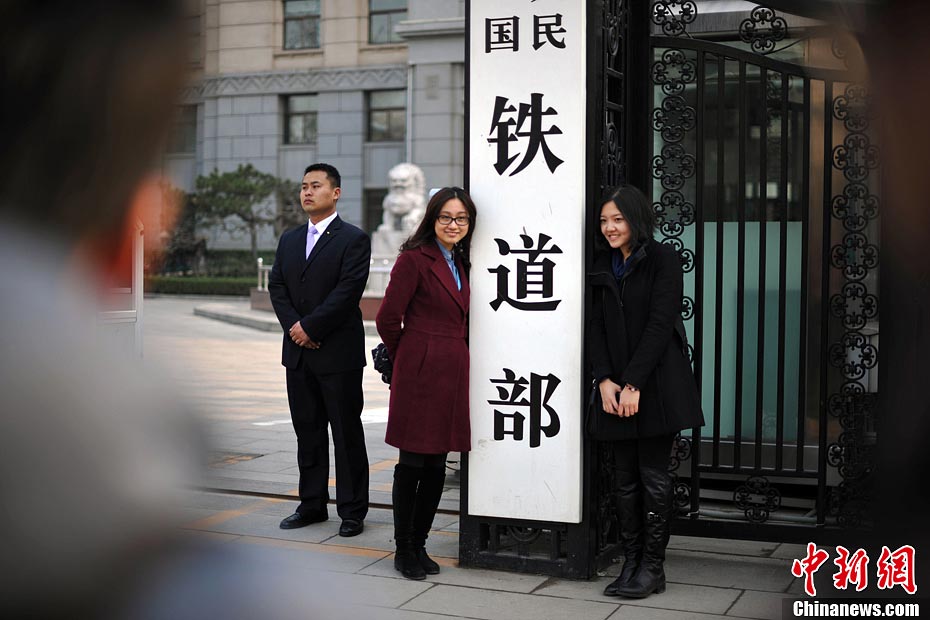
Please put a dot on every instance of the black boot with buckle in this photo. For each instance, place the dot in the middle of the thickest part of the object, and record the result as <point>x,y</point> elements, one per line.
<point>650,577</point>
<point>630,516</point>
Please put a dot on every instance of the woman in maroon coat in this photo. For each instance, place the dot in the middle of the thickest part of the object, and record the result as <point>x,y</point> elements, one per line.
<point>423,322</point>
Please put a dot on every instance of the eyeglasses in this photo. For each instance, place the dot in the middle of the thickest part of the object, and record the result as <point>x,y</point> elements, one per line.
<point>461,220</point>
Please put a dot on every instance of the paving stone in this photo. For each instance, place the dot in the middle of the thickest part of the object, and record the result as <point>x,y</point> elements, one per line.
<point>629,612</point>
<point>763,605</point>
<point>466,577</point>
<point>477,603</point>
<point>790,551</point>
<point>741,572</point>
<point>310,556</point>
<point>379,591</point>
<point>376,536</point>
<point>257,465</point>
<point>381,613</point>
<point>679,596</point>
<point>267,526</point>
<point>723,545</point>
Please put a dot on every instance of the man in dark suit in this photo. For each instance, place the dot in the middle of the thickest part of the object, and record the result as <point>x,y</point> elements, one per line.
<point>319,273</point>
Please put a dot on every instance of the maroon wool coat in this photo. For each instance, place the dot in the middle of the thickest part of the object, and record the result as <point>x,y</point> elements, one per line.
<point>422,321</point>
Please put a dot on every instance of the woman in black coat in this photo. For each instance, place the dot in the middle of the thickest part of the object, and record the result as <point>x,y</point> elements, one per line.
<point>638,351</point>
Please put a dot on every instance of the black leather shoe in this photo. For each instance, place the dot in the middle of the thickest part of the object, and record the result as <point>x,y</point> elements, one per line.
<point>351,527</point>
<point>298,520</point>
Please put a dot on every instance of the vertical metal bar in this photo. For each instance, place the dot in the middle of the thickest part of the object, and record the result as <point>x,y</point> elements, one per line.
<point>824,298</point>
<point>718,285</point>
<point>740,271</point>
<point>763,199</point>
<point>782,279</point>
<point>698,281</point>
<point>805,226</point>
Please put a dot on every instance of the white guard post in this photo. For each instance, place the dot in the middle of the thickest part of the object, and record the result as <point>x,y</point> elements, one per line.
<point>526,128</point>
<point>120,325</point>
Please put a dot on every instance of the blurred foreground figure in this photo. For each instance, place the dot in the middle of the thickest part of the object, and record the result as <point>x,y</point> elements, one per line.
<point>92,450</point>
<point>899,55</point>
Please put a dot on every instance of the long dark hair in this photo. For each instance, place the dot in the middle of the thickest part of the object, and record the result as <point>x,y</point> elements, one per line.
<point>635,208</point>
<point>426,231</point>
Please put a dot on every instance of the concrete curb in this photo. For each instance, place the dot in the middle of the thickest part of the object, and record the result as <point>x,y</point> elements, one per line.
<point>241,314</point>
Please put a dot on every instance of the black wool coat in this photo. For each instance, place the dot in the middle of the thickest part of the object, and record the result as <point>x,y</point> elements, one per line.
<point>636,336</point>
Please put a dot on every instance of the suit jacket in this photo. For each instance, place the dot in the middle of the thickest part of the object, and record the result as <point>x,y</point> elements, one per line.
<point>423,322</point>
<point>322,291</point>
<point>636,336</point>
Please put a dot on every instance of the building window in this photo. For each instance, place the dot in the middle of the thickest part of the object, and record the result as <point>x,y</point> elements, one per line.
<point>383,15</point>
<point>300,119</point>
<point>387,115</point>
<point>301,24</point>
<point>374,213</point>
<point>183,139</point>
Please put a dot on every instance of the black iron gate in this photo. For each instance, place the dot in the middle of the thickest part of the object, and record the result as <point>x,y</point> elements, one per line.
<point>764,177</point>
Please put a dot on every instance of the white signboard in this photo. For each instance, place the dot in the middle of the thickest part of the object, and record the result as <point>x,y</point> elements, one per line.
<point>527,177</point>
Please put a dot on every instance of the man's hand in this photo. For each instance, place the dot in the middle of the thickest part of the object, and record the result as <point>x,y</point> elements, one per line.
<point>299,336</point>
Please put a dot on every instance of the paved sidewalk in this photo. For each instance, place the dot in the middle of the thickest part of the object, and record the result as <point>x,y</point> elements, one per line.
<point>233,374</point>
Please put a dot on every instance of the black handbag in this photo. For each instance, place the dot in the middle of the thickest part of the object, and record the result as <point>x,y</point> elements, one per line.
<point>382,362</point>
<point>593,422</point>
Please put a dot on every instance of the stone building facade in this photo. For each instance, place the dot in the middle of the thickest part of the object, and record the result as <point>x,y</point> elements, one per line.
<point>361,84</point>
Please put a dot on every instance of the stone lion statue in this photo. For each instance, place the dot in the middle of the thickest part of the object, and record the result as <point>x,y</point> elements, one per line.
<point>405,203</point>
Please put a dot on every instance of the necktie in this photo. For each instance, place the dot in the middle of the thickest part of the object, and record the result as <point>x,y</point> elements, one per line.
<point>311,239</point>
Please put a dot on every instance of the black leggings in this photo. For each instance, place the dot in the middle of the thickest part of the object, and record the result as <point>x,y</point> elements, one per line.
<point>415,459</point>
<point>651,453</point>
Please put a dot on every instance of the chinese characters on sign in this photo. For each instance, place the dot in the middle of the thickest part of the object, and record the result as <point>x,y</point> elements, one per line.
<point>510,389</point>
<point>534,277</point>
<point>503,33</point>
<point>504,131</point>
<point>894,568</point>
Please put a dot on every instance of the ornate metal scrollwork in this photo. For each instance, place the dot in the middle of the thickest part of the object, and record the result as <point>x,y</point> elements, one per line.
<point>606,504</point>
<point>525,535</point>
<point>854,305</point>
<point>674,119</point>
<point>681,494</point>
<point>853,355</point>
<point>856,157</point>
<point>856,257</point>
<point>673,167</point>
<point>673,72</point>
<point>757,498</point>
<point>673,16</point>
<point>613,156</point>
<point>856,207</point>
<point>687,308</point>
<point>763,29</point>
<point>681,451</point>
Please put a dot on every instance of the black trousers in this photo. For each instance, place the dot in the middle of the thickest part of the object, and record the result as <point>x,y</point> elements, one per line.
<point>335,399</point>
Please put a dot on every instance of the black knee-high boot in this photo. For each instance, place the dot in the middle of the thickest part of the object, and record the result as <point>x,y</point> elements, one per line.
<point>428,495</point>
<point>650,577</point>
<point>630,515</point>
<point>404,496</point>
